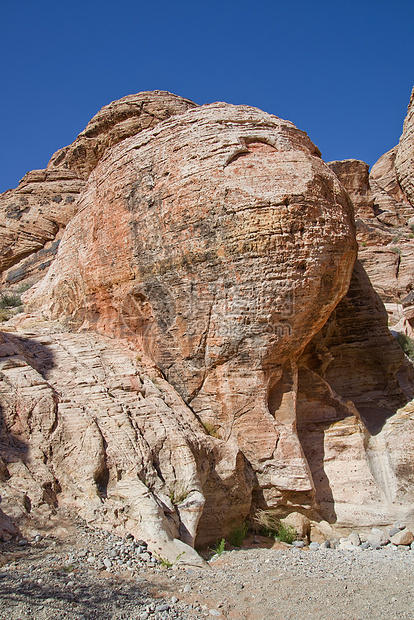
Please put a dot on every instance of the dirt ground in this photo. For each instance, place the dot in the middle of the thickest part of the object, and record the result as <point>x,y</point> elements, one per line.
<point>54,577</point>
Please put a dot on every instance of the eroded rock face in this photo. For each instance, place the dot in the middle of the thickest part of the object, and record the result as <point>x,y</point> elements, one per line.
<point>353,378</point>
<point>384,222</point>
<point>392,205</point>
<point>113,123</point>
<point>354,176</point>
<point>233,243</point>
<point>405,155</point>
<point>34,215</point>
<point>249,362</point>
<point>89,425</point>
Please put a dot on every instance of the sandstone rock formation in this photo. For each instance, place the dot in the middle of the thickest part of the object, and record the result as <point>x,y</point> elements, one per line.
<point>202,344</point>
<point>354,175</point>
<point>207,209</point>
<point>405,155</point>
<point>385,216</point>
<point>393,207</point>
<point>33,216</point>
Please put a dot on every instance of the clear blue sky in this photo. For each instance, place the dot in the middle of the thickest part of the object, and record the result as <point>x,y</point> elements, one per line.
<point>341,71</point>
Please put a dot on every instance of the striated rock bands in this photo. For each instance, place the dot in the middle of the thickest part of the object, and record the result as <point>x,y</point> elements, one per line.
<point>405,155</point>
<point>218,350</point>
<point>233,243</point>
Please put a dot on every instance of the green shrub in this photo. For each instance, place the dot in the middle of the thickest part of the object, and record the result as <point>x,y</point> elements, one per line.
<point>4,315</point>
<point>237,535</point>
<point>407,344</point>
<point>178,492</point>
<point>10,300</point>
<point>211,429</point>
<point>219,548</point>
<point>268,524</point>
<point>286,533</point>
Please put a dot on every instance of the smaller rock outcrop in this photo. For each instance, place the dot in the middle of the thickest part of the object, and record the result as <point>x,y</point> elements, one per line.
<point>354,176</point>
<point>404,161</point>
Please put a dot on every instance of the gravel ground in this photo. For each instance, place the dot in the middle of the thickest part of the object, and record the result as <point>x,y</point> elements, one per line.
<point>84,574</point>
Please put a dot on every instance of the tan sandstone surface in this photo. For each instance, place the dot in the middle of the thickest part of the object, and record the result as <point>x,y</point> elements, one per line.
<point>203,344</point>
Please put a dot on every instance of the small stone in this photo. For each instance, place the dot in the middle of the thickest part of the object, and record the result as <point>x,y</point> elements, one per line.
<point>364,545</point>
<point>298,543</point>
<point>314,546</point>
<point>392,531</point>
<point>141,543</point>
<point>107,562</point>
<point>403,537</point>
<point>23,542</point>
<point>215,612</point>
<point>187,588</point>
<point>400,525</point>
<point>91,559</point>
<point>164,607</point>
<point>326,544</point>
<point>354,539</point>
<point>378,538</point>
<point>174,600</point>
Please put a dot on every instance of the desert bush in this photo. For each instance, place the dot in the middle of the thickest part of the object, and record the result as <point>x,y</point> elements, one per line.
<point>407,344</point>
<point>238,534</point>
<point>178,492</point>
<point>211,429</point>
<point>267,523</point>
<point>4,315</point>
<point>219,548</point>
<point>286,533</point>
<point>9,300</point>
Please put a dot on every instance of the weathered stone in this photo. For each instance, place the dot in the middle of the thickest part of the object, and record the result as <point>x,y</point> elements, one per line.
<point>33,216</point>
<point>404,161</point>
<point>387,192</point>
<point>349,385</point>
<point>216,250</point>
<point>232,215</point>
<point>354,539</point>
<point>299,522</point>
<point>354,176</point>
<point>115,122</point>
<point>378,538</point>
<point>404,537</point>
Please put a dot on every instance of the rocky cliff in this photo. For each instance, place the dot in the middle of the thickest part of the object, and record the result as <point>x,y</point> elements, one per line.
<point>199,344</point>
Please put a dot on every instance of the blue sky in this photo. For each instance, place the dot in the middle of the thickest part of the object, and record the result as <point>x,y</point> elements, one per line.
<point>341,71</point>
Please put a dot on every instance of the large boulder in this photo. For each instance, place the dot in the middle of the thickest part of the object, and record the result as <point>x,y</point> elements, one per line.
<point>220,242</point>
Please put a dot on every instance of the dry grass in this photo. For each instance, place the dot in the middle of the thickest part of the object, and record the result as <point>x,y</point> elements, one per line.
<point>266,522</point>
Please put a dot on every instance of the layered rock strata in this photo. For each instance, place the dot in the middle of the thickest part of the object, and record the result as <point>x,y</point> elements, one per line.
<point>233,243</point>
<point>404,162</point>
<point>224,353</point>
<point>385,217</point>
<point>34,215</point>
